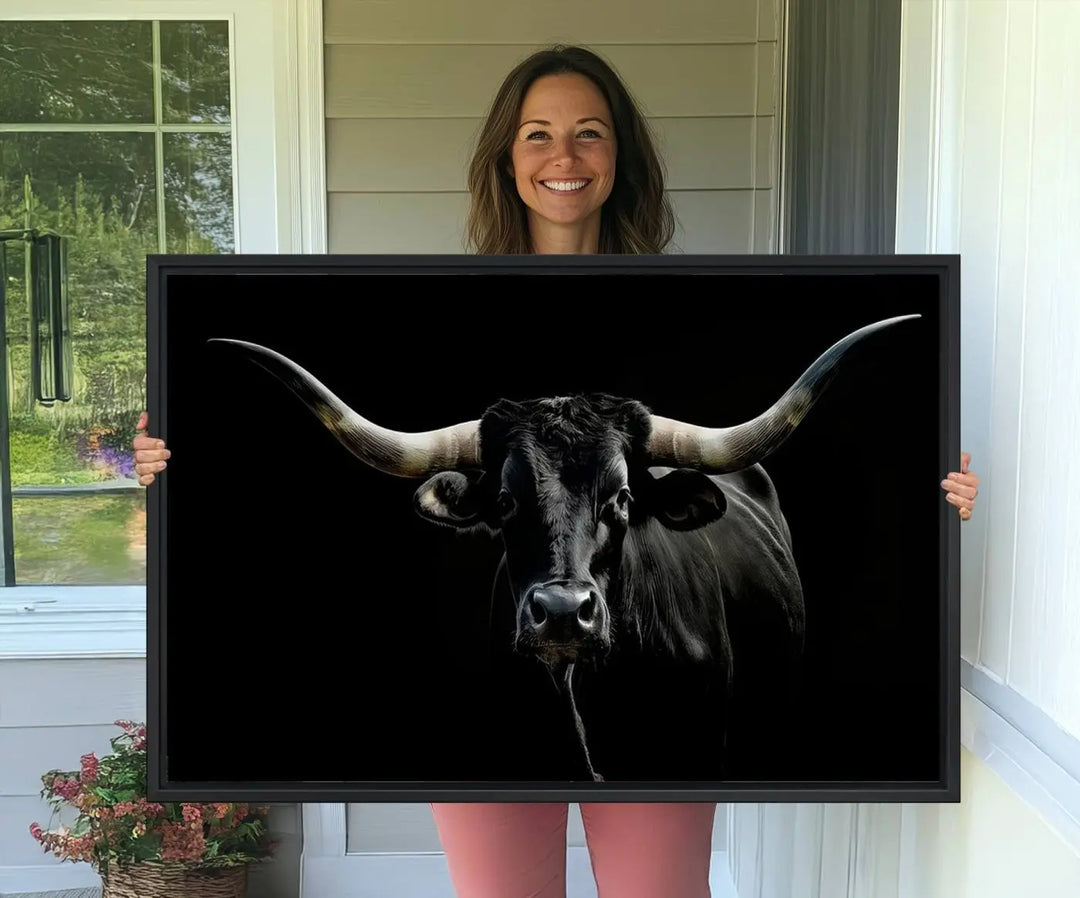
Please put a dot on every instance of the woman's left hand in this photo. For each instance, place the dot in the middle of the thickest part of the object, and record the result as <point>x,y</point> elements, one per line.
<point>961,487</point>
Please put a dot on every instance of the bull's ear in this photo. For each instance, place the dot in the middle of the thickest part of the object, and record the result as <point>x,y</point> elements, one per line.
<point>448,498</point>
<point>685,500</point>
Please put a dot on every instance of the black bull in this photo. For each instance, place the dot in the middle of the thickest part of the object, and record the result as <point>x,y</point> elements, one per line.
<point>635,546</point>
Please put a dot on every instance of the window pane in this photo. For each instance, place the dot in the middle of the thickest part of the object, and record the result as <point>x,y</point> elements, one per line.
<point>79,177</point>
<point>195,72</point>
<point>99,190</point>
<point>90,540</point>
<point>98,72</point>
<point>198,193</point>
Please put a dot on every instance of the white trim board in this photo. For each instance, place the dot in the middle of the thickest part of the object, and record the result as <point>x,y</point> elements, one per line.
<point>72,622</point>
<point>304,20</point>
<point>1057,744</point>
<point>1043,774</point>
<point>55,880</point>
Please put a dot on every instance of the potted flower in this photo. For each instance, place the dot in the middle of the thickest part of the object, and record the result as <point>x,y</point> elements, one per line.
<point>145,849</point>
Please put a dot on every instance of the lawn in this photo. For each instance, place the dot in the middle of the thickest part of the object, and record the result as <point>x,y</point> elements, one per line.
<point>95,539</point>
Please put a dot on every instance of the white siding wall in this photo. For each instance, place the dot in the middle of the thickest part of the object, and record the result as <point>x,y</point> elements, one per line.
<point>407,84</point>
<point>51,713</point>
<point>989,167</point>
<point>1009,202</point>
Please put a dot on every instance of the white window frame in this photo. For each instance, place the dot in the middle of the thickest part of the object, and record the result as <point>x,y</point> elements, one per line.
<point>276,62</point>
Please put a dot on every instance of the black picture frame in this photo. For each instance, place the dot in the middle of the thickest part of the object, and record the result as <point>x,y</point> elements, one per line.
<point>247,599</point>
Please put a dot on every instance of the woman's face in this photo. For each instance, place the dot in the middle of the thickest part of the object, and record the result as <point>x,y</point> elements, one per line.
<point>563,155</point>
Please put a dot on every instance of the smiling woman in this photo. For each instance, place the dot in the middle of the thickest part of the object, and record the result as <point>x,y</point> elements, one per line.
<point>565,163</point>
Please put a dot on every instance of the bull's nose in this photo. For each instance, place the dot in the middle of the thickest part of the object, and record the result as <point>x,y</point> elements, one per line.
<point>562,612</point>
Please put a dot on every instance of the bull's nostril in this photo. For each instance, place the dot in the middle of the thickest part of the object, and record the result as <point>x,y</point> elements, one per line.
<point>587,611</point>
<point>536,612</point>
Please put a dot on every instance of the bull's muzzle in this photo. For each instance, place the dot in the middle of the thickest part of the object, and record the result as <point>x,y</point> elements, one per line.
<point>563,621</point>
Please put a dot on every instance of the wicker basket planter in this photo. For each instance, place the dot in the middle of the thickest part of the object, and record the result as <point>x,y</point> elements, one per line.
<point>126,839</point>
<point>156,880</point>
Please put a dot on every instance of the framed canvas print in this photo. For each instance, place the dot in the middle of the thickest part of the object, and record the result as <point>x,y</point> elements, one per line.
<point>554,528</point>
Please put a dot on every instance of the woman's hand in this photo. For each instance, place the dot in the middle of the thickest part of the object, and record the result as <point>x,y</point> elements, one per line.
<point>961,487</point>
<point>150,453</point>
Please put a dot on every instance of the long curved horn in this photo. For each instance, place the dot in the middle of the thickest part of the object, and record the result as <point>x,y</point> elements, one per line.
<point>390,451</point>
<point>721,450</point>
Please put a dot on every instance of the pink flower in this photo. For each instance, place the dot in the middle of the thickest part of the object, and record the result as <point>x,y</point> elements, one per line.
<point>181,842</point>
<point>192,813</point>
<point>80,848</point>
<point>89,767</point>
<point>66,788</point>
<point>36,831</point>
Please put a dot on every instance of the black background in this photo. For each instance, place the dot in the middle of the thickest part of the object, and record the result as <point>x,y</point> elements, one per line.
<point>335,636</point>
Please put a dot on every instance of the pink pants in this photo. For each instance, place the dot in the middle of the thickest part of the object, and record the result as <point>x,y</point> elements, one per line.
<point>648,850</point>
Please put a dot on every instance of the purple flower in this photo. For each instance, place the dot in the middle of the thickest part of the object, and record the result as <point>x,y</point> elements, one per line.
<point>117,462</point>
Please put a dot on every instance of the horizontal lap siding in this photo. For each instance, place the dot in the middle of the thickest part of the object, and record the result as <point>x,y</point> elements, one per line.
<point>71,693</point>
<point>27,752</point>
<point>52,712</point>
<point>380,155</point>
<point>408,84</point>
<point>364,81</point>
<point>514,22</point>
<point>717,221</point>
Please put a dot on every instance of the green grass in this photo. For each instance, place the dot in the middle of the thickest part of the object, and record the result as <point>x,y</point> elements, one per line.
<point>89,540</point>
<point>39,459</point>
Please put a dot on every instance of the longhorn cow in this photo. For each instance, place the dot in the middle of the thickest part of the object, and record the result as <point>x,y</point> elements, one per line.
<point>625,533</point>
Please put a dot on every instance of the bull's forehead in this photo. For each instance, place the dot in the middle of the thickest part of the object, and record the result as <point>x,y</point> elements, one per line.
<point>567,483</point>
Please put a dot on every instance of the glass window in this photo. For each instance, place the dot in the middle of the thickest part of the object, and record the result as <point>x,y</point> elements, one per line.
<point>118,136</point>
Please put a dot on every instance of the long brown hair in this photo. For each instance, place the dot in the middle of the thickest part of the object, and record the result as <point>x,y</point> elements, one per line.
<point>637,217</point>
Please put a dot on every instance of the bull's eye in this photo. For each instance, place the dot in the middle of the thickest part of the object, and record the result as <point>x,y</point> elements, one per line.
<point>504,502</point>
<point>619,507</point>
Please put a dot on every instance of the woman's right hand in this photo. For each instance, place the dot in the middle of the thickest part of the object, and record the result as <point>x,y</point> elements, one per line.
<point>150,453</point>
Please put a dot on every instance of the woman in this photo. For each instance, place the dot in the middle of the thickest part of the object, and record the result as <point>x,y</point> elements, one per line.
<point>565,164</point>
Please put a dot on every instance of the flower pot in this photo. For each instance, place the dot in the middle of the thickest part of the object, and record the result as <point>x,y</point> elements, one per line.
<point>157,880</point>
